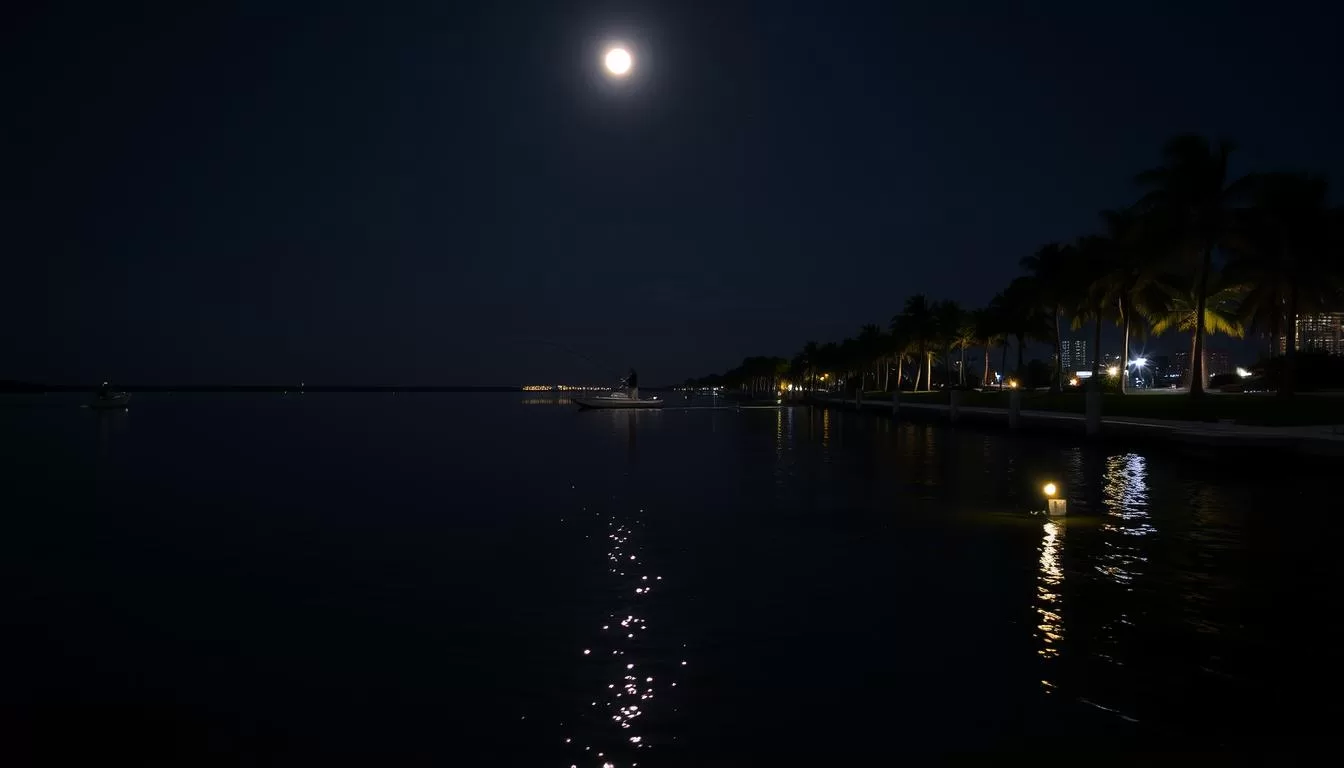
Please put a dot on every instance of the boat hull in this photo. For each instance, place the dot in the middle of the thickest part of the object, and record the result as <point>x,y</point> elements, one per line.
<point>616,402</point>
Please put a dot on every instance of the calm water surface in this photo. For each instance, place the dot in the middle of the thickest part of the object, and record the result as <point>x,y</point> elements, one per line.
<point>428,579</point>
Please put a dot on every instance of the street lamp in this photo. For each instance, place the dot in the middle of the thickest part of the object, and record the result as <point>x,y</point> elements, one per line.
<point>1056,507</point>
<point>1140,363</point>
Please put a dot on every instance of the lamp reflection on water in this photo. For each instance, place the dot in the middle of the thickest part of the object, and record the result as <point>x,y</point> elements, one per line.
<point>1049,607</point>
<point>1125,490</point>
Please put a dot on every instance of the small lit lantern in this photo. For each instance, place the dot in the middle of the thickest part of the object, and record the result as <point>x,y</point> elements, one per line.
<point>1058,507</point>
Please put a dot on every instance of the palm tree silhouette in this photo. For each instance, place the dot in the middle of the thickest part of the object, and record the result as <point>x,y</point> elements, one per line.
<point>964,336</point>
<point>947,321</point>
<point>989,331</point>
<point>1186,309</point>
<point>1282,251</point>
<point>1191,205</point>
<point>1050,267</point>
<point>872,348</point>
<point>917,323</point>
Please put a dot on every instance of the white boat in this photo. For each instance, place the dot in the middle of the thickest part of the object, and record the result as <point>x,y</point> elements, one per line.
<point>617,399</point>
<point>111,400</point>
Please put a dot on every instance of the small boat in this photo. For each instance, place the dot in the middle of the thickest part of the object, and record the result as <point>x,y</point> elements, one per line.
<point>617,399</point>
<point>110,400</point>
<point>746,405</point>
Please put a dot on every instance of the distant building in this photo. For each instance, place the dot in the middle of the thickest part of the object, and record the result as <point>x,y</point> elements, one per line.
<point>1217,362</point>
<point>1162,367</point>
<point>1073,355</point>
<point>1323,331</point>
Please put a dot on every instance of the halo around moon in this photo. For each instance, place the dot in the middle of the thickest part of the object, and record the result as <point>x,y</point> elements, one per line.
<point>618,61</point>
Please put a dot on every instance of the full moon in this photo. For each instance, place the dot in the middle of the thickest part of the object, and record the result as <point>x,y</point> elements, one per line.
<point>618,61</point>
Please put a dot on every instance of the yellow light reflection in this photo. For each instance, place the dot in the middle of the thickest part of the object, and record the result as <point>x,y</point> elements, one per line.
<point>1049,580</point>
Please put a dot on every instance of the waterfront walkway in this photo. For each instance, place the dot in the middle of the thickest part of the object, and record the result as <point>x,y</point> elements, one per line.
<point>1326,440</point>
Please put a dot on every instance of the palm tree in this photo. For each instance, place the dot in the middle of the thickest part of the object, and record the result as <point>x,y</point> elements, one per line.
<point>1050,266</point>
<point>1191,203</point>
<point>1187,309</point>
<point>1095,274</point>
<point>964,337</point>
<point>989,331</point>
<point>1134,249</point>
<point>1281,251</point>
<point>871,347</point>
<point>809,355</point>
<point>780,369</point>
<point>798,370</point>
<point>1020,311</point>
<point>828,361</point>
<point>917,323</point>
<point>851,361</point>
<point>948,319</point>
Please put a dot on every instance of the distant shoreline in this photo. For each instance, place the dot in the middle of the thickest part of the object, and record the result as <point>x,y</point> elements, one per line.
<point>24,388</point>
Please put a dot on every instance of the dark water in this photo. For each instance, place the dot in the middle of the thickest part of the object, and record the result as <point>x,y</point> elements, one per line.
<point>436,579</point>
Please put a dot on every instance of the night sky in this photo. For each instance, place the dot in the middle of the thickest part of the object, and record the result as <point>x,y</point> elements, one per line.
<point>454,193</point>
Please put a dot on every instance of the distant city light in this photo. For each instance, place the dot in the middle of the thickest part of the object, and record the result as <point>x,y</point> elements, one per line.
<point>1073,382</point>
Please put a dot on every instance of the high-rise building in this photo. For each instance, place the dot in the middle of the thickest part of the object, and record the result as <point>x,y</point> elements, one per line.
<point>1217,362</point>
<point>1073,355</point>
<point>1323,331</point>
<point>1180,365</point>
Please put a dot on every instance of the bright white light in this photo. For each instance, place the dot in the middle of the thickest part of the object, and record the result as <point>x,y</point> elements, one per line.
<point>1112,370</point>
<point>1140,361</point>
<point>1050,489</point>
<point>1243,373</point>
<point>618,61</point>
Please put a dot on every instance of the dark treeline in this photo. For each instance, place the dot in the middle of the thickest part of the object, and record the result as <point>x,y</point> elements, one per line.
<point>1198,252</point>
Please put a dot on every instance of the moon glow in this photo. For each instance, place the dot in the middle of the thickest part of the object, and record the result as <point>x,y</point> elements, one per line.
<point>618,62</point>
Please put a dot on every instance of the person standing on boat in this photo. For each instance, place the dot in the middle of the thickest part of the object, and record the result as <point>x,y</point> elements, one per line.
<point>632,384</point>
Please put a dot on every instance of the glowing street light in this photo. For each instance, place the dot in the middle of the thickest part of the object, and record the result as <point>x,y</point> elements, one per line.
<point>1057,507</point>
<point>1113,370</point>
